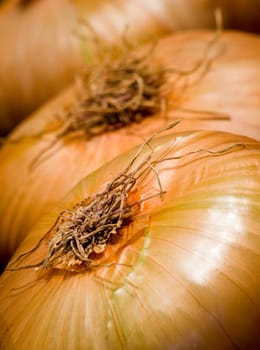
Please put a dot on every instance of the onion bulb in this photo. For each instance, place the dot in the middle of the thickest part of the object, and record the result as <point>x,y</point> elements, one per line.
<point>179,270</point>
<point>44,43</point>
<point>36,171</point>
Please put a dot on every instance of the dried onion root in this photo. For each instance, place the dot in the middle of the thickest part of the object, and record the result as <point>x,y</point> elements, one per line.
<point>80,234</point>
<point>114,96</point>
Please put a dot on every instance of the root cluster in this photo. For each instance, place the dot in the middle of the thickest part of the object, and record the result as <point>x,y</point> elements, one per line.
<point>85,230</point>
<point>115,95</point>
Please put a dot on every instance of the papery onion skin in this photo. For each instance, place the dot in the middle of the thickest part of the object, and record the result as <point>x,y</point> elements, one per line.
<point>41,51</point>
<point>194,279</point>
<point>25,197</point>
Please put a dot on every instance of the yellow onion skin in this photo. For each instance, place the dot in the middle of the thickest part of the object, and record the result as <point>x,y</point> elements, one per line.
<point>41,52</point>
<point>231,87</point>
<point>186,271</point>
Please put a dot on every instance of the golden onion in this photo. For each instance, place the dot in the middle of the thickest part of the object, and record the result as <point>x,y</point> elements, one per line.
<point>229,87</point>
<point>182,273</point>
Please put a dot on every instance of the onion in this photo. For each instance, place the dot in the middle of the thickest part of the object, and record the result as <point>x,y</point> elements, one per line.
<point>41,51</point>
<point>229,88</point>
<point>182,273</point>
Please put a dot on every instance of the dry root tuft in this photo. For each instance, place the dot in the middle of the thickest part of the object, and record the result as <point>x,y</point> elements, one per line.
<point>85,230</point>
<point>114,96</point>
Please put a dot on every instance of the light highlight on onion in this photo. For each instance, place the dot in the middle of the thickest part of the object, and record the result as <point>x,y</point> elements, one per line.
<point>186,268</point>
